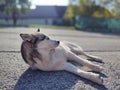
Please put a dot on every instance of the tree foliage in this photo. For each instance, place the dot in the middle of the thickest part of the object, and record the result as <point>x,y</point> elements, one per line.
<point>69,14</point>
<point>101,12</point>
<point>112,5</point>
<point>116,9</point>
<point>14,7</point>
<point>89,8</point>
<point>86,8</point>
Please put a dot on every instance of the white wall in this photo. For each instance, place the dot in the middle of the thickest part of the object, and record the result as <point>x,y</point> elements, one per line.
<point>35,21</point>
<point>28,21</point>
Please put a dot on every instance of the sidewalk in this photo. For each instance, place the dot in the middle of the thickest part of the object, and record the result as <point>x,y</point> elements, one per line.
<point>15,73</point>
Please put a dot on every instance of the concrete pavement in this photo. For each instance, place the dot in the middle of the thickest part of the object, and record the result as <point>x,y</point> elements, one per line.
<point>15,73</point>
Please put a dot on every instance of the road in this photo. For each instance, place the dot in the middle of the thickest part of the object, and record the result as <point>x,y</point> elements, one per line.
<point>16,74</point>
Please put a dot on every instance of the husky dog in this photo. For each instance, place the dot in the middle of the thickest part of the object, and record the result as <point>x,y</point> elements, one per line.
<point>43,53</point>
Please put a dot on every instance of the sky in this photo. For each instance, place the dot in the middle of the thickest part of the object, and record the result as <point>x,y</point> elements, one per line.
<point>49,2</point>
<point>58,3</point>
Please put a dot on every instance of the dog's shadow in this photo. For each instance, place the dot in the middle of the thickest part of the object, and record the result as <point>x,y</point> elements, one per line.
<point>58,80</point>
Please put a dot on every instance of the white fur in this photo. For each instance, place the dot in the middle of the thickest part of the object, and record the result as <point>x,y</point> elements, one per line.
<point>55,56</point>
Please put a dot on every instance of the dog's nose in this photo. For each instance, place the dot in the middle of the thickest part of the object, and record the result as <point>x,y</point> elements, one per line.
<point>58,42</point>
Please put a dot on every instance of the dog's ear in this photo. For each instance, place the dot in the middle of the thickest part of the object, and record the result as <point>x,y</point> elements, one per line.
<point>38,30</point>
<point>27,37</point>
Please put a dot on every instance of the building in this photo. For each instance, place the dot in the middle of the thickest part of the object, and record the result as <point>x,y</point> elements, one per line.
<point>46,15</point>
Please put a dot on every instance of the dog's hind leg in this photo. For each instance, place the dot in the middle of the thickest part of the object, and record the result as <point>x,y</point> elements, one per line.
<point>79,51</point>
<point>74,48</point>
<point>92,58</point>
<point>87,75</point>
<point>74,57</point>
<point>89,57</point>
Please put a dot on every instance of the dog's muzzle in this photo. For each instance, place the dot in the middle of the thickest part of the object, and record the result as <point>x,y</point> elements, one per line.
<point>58,42</point>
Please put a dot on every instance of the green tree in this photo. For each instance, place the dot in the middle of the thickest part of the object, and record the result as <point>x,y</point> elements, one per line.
<point>14,7</point>
<point>86,8</point>
<point>112,5</point>
<point>69,14</point>
<point>89,8</point>
<point>101,12</point>
<point>116,9</point>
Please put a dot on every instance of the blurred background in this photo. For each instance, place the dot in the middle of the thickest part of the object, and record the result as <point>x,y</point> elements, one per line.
<point>86,15</point>
<point>76,21</point>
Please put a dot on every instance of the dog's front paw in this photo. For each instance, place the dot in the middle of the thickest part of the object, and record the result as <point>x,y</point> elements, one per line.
<point>95,78</point>
<point>98,80</point>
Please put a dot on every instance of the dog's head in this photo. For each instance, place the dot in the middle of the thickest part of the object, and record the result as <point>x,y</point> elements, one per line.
<point>39,40</point>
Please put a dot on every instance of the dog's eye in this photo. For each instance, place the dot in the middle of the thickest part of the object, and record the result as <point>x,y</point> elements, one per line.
<point>43,38</point>
<point>47,38</point>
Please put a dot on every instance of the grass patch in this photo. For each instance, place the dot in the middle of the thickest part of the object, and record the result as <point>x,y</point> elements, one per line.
<point>52,26</point>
